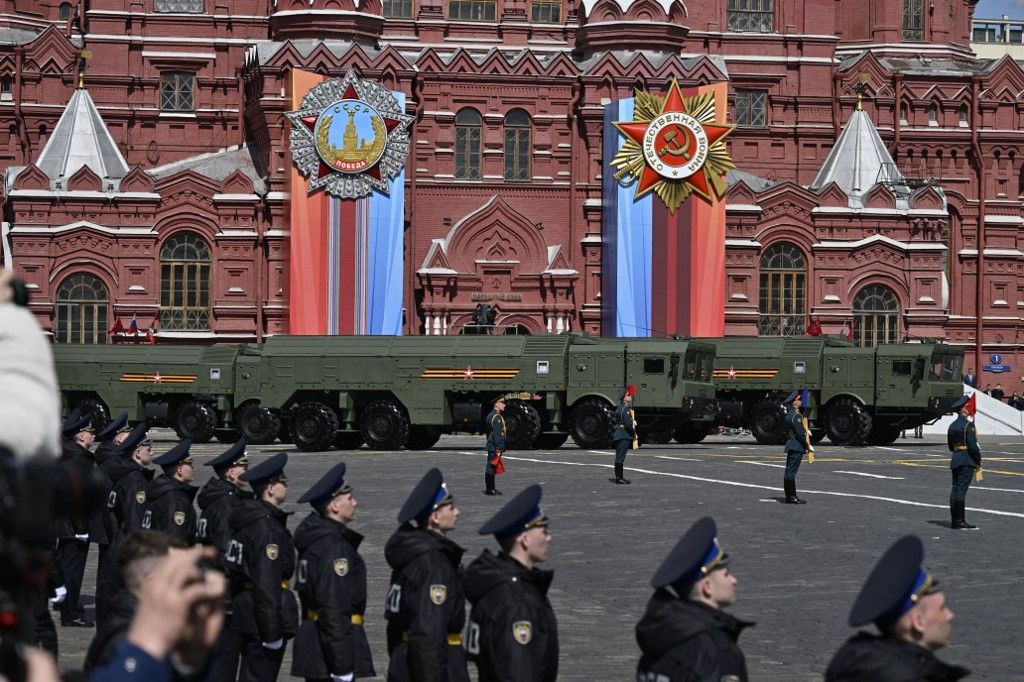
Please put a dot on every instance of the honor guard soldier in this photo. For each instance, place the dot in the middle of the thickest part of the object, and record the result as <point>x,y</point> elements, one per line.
<point>495,425</point>
<point>220,495</point>
<point>964,463</point>
<point>685,634</point>
<point>73,532</point>
<point>261,556</point>
<point>798,445</point>
<point>513,635</point>
<point>169,497</point>
<point>111,437</point>
<point>425,608</point>
<point>217,499</point>
<point>128,479</point>
<point>625,431</point>
<point>331,582</point>
<point>909,609</point>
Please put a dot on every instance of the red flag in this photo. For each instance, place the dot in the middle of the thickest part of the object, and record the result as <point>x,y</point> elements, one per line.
<point>133,326</point>
<point>853,328</point>
<point>972,404</point>
<point>498,464</point>
<point>150,338</point>
<point>118,328</point>
<point>813,327</point>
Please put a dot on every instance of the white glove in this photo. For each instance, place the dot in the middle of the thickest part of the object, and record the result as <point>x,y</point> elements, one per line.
<point>84,537</point>
<point>343,678</point>
<point>59,595</point>
<point>275,645</point>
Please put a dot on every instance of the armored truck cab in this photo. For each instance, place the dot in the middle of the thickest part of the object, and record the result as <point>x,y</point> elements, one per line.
<point>189,388</point>
<point>856,395</point>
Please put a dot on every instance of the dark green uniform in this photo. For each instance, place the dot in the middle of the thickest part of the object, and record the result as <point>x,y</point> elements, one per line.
<point>625,431</point>
<point>965,460</point>
<point>495,425</point>
<point>796,448</point>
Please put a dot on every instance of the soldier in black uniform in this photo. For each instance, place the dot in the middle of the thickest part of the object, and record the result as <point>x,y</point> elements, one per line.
<point>625,431</point>
<point>217,499</point>
<point>495,426</point>
<point>110,438</point>
<point>73,532</point>
<point>128,497</point>
<point>169,497</point>
<point>907,606</point>
<point>798,445</point>
<point>261,555</point>
<point>964,463</point>
<point>135,449</point>
<point>220,495</point>
<point>425,608</point>
<point>331,582</point>
<point>685,634</point>
<point>512,634</point>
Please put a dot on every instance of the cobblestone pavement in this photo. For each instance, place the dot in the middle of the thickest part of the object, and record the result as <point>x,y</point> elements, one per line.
<point>799,567</point>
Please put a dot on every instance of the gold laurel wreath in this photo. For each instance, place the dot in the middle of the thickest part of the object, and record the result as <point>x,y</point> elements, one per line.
<point>630,160</point>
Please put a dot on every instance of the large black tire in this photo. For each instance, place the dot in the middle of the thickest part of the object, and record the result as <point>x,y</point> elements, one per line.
<point>691,433</point>
<point>522,425</point>
<point>257,424</point>
<point>348,440</point>
<point>817,435</point>
<point>197,421</point>
<point>550,441</point>
<point>883,434</point>
<point>384,425</point>
<point>768,422</point>
<point>591,424</point>
<point>96,411</point>
<point>312,426</point>
<point>847,422</point>
<point>422,437</point>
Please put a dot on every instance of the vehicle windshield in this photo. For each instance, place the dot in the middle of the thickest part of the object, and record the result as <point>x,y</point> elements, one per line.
<point>946,367</point>
<point>690,364</point>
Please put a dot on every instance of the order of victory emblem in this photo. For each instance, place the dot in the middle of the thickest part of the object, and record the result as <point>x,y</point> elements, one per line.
<point>349,137</point>
<point>674,148</point>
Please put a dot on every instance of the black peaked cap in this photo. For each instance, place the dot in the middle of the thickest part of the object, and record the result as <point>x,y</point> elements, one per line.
<point>522,513</point>
<point>266,470</point>
<point>330,484</point>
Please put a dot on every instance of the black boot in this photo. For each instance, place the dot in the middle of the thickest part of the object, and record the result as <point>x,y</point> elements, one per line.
<point>489,484</point>
<point>618,476</point>
<point>790,486</point>
<point>954,516</point>
<point>961,513</point>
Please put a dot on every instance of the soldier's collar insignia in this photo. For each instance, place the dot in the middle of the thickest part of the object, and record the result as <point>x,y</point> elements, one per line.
<point>674,148</point>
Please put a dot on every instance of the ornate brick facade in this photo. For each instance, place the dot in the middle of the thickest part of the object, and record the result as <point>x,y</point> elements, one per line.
<point>195,101</point>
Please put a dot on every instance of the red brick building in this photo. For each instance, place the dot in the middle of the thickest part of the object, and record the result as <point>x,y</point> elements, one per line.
<point>163,192</point>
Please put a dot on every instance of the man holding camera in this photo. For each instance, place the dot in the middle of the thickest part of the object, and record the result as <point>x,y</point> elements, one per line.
<point>73,532</point>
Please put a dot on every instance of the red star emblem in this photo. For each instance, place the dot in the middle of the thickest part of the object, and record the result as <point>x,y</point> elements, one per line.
<point>732,372</point>
<point>157,378</point>
<point>469,372</point>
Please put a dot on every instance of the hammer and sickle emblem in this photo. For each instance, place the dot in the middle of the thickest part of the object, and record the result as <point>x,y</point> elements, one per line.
<point>674,147</point>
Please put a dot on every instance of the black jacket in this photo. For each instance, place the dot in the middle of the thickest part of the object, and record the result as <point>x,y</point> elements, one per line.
<point>331,582</point>
<point>69,526</point>
<point>217,498</point>
<point>261,556</point>
<point>112,631</point>
<point>115,469</point>
<point>106,450</point>
<point>169,508</point>
<point>682,640</point>
<point>425,607</point>
<point>874,658</point>
<point>127,499</point>
<point>513,635</point>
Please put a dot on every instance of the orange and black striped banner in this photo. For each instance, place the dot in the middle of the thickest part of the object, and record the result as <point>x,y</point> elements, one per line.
<point>745,373</point>
<point>470,373</point>
<point>158,378</point>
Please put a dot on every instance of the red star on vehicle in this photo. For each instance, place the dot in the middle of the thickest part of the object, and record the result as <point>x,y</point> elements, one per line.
<point>157,378</point>
<point>732,372</point>
<point>469,372</point>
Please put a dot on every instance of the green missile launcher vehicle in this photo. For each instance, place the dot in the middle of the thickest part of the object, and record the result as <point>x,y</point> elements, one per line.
<point>393,392</point>
<point>857,395</point>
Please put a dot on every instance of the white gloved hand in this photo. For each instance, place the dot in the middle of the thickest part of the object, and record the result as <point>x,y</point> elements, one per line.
<point>59,595</point>
<point>343,678</point>
<point>275,645</point>
<point>84,537</point>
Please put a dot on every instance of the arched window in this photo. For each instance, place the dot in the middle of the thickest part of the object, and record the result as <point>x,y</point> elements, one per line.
<point>64,11</point>
<point>904,114</point>
<point>933,115</point>
<point>876,313</point>
<point>468,126</point>
<point>82,305</point>
<point>962,115</point>
<point>517,146</point>
<point>782,300</point>
<point>185,283</point>
<point>913,20</point>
